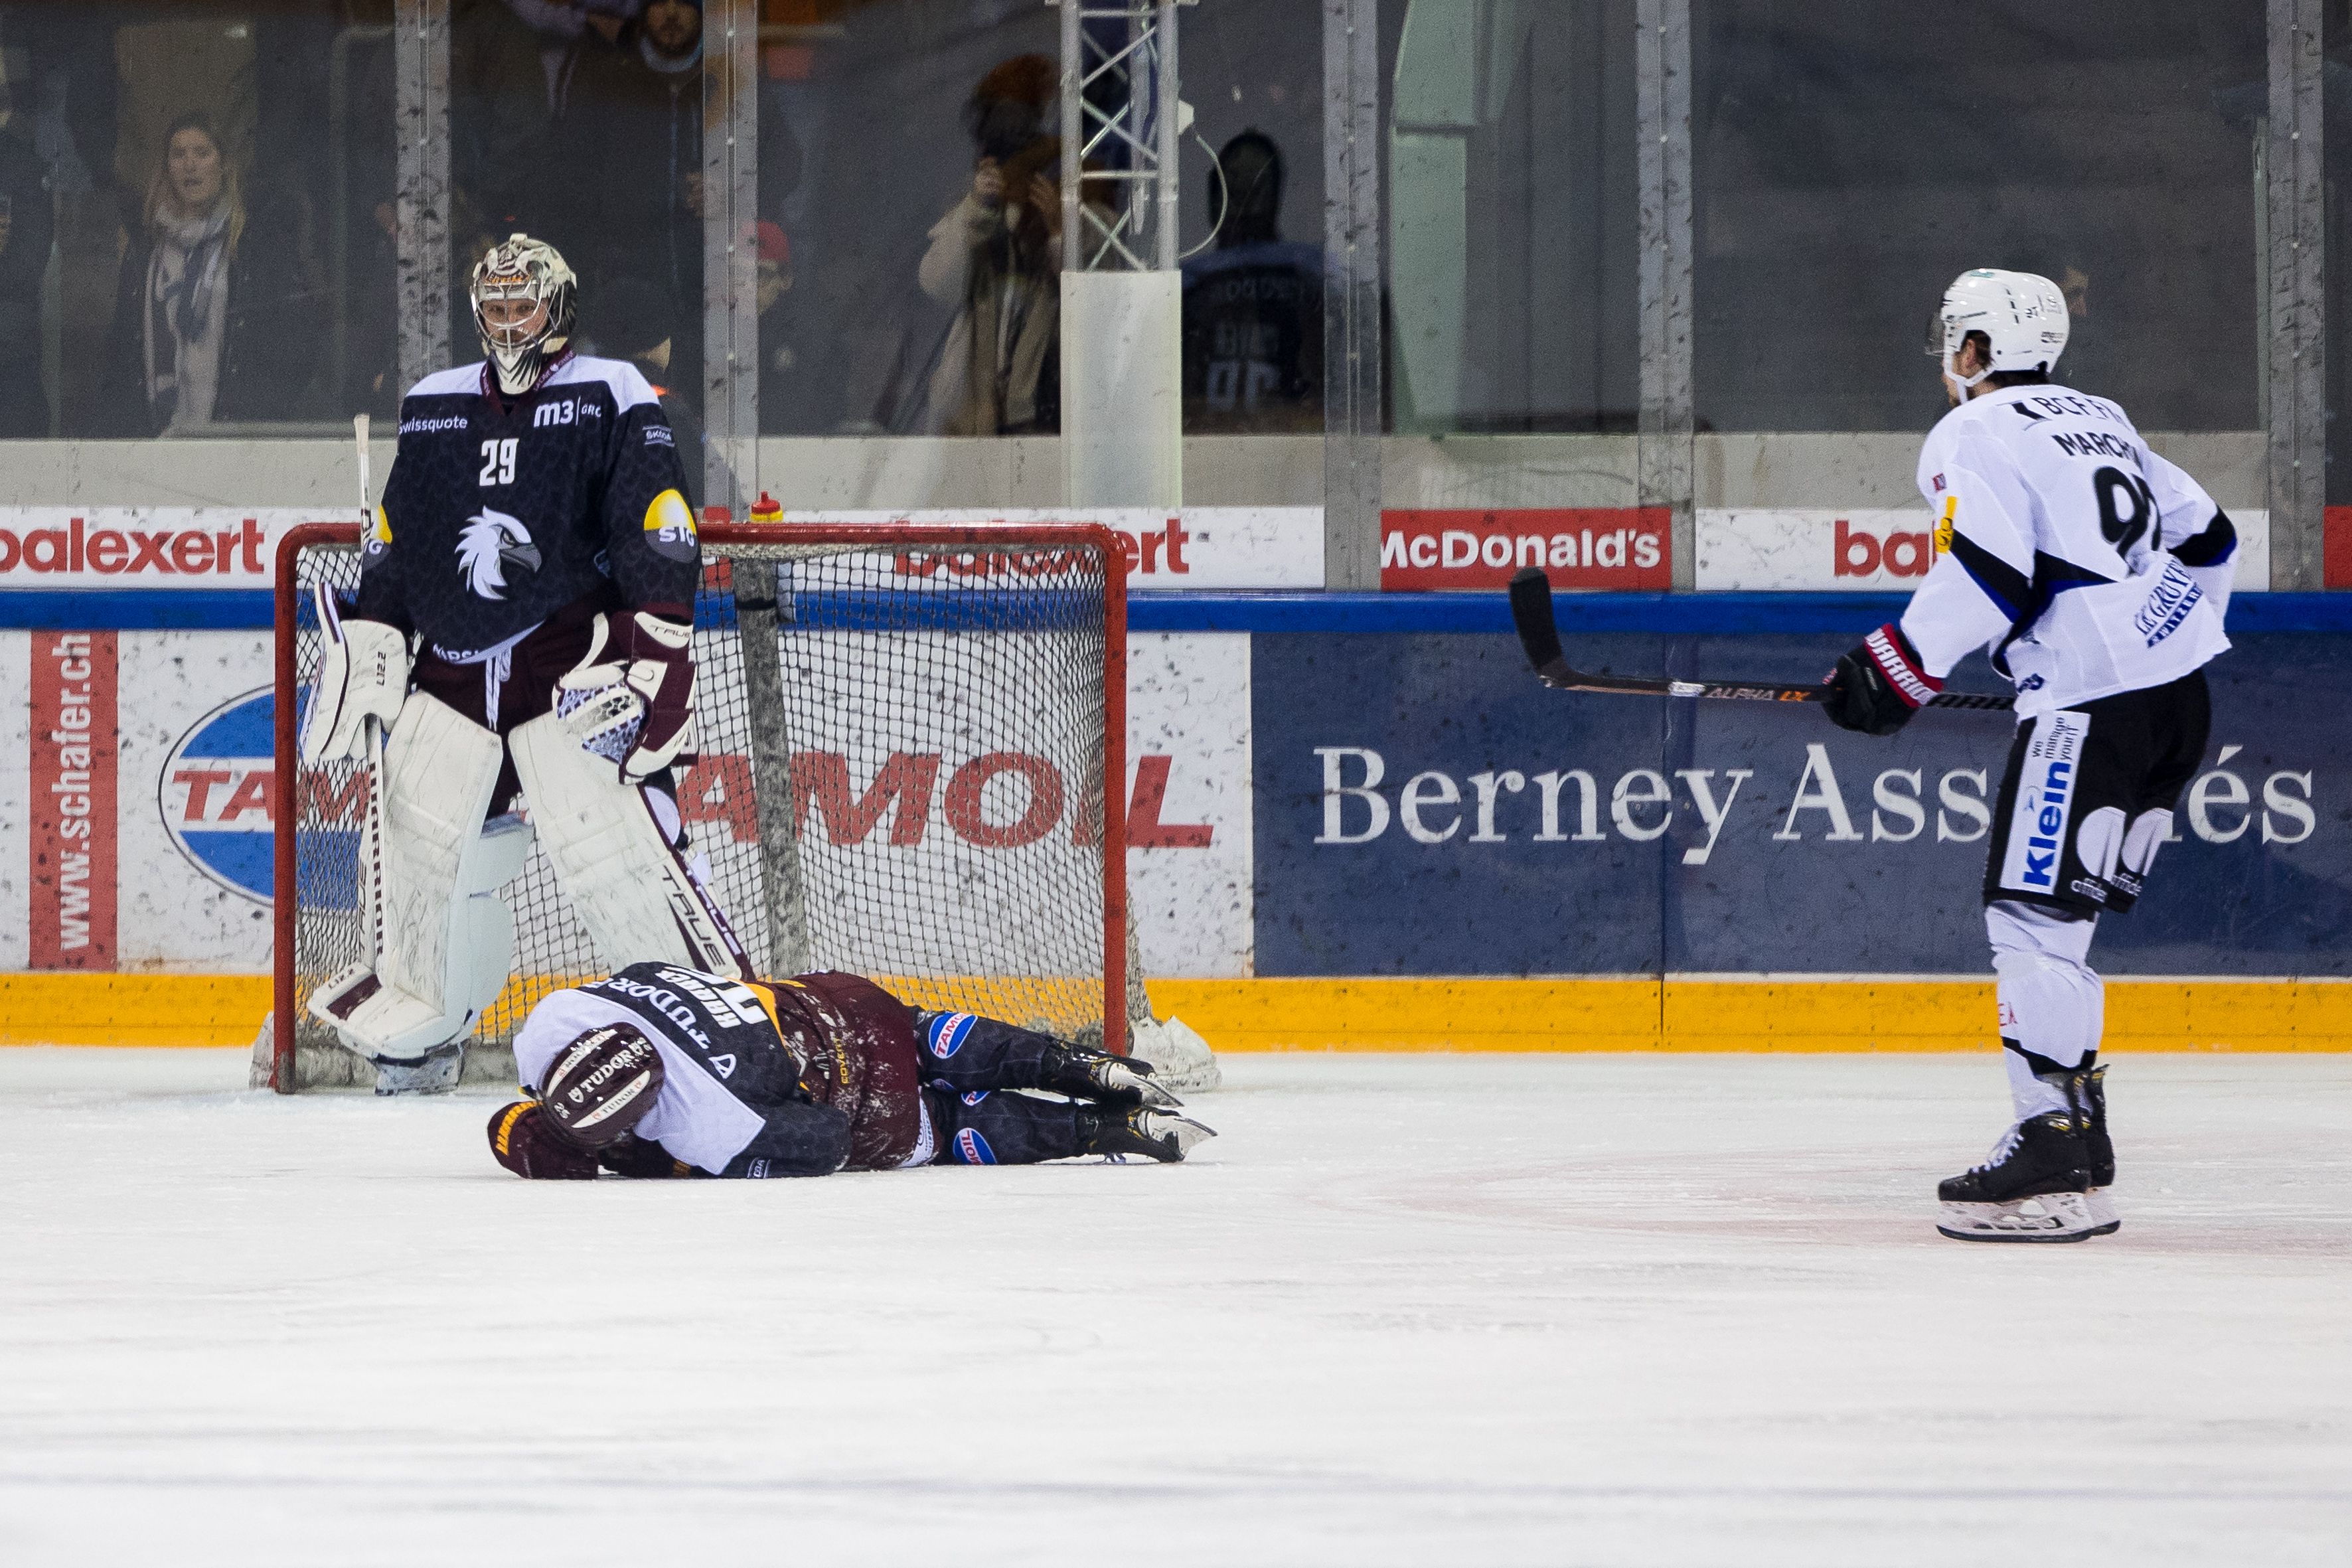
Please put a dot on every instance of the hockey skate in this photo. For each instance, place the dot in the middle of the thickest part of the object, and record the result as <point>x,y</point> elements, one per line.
<point>434,1072</point>
<point>2033,1188</point>
<point>1083,1074</point>
<point>2090,1095</point>
<point>1154,1135</point>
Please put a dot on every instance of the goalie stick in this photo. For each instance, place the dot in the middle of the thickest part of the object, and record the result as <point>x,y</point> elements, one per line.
<point>1531,615</point>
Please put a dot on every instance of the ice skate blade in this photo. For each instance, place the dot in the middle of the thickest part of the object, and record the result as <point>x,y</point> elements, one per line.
<point>2103,1219</point>
<point>2052,1217</point>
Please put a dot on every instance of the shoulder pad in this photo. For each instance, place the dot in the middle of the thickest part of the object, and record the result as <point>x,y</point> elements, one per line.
<point>626,382</point>
<point>458,379</point>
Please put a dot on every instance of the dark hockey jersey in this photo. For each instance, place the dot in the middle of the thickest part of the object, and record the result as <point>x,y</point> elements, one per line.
<point>781,1078</point>
<point>500,511</point>
<point>1254,338</point>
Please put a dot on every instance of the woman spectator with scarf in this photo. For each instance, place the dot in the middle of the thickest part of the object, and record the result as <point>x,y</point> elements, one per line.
<point>215,321</point>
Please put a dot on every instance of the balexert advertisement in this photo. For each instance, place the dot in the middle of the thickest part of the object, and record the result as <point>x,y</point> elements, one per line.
<point>1425,807</point>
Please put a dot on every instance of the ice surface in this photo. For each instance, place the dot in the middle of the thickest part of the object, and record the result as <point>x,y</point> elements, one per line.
<point>1424,1310</point>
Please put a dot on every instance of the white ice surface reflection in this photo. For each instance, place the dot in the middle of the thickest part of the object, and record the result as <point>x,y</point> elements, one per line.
<point>1461,1311</point>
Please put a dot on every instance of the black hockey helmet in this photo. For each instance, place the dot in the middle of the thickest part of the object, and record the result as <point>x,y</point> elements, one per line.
<point>601,1086</point>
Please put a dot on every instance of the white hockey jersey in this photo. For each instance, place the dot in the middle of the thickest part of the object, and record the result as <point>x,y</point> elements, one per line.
<point>2085,564</point>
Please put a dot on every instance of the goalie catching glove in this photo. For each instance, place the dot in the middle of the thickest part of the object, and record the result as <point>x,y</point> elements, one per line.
<point>630,700</point>
<point>1877,687</point>
<point>363,674</point>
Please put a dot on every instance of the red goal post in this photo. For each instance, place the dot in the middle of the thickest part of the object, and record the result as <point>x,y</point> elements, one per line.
<point>901,640</point>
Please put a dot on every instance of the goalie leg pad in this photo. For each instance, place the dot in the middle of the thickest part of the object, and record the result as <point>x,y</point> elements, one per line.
<point>616,862</point>
<point>447,938</point>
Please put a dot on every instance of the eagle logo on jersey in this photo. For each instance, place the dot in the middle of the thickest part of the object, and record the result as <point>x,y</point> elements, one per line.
<point>489,541</point>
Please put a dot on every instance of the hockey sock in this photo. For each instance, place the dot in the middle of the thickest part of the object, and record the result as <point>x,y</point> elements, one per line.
<point>2053,1007</point>
<point>2037,1086</point>
<point>981,1127</point>
<point>964,1052</point>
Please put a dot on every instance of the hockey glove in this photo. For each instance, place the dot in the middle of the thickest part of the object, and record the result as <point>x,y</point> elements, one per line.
<point>630,697</point>
<point>1877,687</point>
<point>640,1159</point>
<point>521,1140</point>
<point>363,674</point>
<point>661,672</point>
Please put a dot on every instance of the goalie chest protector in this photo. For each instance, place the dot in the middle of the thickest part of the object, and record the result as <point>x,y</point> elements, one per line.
<point>499,512</point>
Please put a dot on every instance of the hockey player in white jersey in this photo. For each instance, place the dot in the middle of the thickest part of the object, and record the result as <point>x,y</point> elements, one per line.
<point>524,625</point>
<point>2096,574</point>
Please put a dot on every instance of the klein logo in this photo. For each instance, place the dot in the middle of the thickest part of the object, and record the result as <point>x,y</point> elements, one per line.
<point>217,795</point>
<point>2048,825</point>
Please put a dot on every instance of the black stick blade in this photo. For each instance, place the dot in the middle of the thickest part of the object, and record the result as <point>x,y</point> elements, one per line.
<point>1532,614</point>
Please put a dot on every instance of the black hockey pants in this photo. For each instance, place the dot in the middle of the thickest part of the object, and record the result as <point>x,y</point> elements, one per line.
<point>966,1060</point>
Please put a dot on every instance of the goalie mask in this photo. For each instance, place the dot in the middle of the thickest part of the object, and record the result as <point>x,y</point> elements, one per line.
<point>522,297</point>
<point>601,1086</point>
<point>2022,315</point>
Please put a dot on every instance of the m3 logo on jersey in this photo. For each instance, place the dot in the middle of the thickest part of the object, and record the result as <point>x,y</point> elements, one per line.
<point>669,527</point>
<point>490,542</point>
<point>972,1148</point>
<point>2045,799</point>
<point>564,411</point>
<point>947,1033</point>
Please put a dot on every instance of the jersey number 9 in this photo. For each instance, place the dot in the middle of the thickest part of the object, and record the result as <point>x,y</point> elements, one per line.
<point>2125,507</point>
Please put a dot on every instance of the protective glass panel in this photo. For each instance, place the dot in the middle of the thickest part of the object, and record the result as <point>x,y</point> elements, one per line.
<point>196,218</point>
<point>1846,168</point>
<point>1511,223</point>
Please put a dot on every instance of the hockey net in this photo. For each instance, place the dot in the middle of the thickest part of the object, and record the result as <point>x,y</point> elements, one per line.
<point>905,736</point>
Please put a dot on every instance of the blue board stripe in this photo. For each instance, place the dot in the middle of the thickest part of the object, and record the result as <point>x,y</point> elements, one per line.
<point>1690,615</point>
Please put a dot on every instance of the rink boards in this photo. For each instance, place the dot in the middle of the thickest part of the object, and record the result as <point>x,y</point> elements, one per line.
<point>1356,822</point>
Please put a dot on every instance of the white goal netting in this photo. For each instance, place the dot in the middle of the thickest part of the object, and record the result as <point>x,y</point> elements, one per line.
<point>904,743</point>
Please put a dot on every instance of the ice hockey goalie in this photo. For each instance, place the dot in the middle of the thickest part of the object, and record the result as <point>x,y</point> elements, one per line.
<point>664,1070</point>
<point>522,632</point>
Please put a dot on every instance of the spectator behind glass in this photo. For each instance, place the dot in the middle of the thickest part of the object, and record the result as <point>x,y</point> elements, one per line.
<point>213,321</point>
<point>637,111</point>
<point>631,319</point>
<point>1253,306</point>
<point>796,394</point>
<point>28,222</point>
<point>996,255</point>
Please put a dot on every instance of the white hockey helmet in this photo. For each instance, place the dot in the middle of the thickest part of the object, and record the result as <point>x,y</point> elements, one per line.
<point>522,342</point>
<point>2022,314</point>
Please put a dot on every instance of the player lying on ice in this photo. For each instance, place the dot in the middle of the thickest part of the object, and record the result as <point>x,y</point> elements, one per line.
<point>2096,574</point>
<point>535,554</point>
<point>662,1071</point>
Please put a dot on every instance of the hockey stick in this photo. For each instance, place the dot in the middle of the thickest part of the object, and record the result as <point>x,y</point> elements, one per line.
<point>371,734</point>
<point>1531,615</point>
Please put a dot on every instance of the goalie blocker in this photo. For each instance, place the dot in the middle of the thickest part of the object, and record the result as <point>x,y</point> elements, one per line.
<point>662,1071</point>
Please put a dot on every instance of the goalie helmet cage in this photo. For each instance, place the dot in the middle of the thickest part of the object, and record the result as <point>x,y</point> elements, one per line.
<point>912,766</point>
